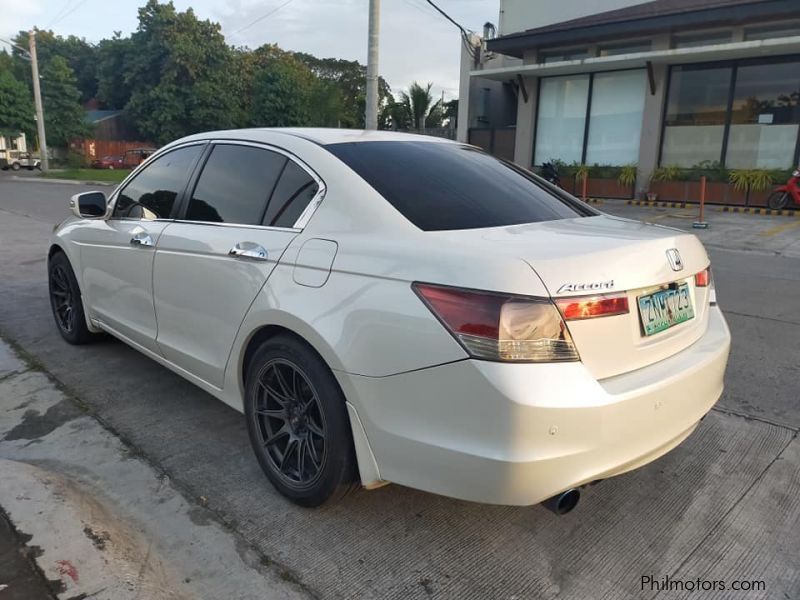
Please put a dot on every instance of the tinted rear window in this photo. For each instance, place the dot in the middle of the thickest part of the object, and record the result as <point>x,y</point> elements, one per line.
<point>440,186</point>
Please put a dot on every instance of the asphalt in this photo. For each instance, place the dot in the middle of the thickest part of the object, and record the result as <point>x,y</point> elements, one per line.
<point>722,506</point>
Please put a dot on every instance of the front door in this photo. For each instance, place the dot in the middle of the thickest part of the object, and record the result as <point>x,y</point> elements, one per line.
<point>117,253</point>
<point>211,264</point>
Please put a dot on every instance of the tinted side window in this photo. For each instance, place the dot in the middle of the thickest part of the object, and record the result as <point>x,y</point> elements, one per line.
<point>235,185</point>
<point>440,186</point>
<point>152,193</point>
<point>293,193</point>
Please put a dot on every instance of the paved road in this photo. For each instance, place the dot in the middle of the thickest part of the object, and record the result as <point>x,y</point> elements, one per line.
<point>723,506</point>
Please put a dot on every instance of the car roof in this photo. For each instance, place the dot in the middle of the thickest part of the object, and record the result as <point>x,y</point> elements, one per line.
<point>320,135</point>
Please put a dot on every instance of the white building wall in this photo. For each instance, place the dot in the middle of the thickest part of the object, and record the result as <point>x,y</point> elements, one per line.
<point>519,15</point>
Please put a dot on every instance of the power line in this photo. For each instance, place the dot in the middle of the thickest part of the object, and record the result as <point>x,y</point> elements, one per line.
<point>57,15</point>
<point>464,33</point>
<point>448,17</point>
<point>66,14</point>
<point>262,17</point>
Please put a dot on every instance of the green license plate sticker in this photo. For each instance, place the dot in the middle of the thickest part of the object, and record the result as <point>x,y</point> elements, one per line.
<point>665,308</point>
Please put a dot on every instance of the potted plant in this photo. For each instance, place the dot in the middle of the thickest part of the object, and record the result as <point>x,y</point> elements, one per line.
<point>750,180</point>
<point>664,174</point>
<point>627,176</point>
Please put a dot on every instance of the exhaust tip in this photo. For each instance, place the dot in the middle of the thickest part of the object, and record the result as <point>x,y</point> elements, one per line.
<point>564,502</point>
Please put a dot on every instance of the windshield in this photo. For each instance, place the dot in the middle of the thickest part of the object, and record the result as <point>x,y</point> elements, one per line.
<point>440,186</point>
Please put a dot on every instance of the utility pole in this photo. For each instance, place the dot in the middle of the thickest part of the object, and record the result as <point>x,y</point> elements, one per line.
<point>37,98</point>
<point>371,117</point>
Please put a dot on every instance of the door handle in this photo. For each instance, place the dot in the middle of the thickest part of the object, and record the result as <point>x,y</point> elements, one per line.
<point>142,238</point>
<point>249,250</point>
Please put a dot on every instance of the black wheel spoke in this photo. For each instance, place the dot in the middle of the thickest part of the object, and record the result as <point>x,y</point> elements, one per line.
<point>281,433</point>
<point>289,417</point>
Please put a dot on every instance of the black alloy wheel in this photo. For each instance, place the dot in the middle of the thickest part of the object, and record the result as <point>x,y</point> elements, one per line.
<point>298,423</point>
<point>290,422</point>
<point>66,302</point>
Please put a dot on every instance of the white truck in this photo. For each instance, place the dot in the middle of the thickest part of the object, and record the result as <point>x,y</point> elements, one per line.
<point>14,154</point>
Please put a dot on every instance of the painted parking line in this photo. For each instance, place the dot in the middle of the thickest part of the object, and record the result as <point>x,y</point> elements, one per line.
<point>780,229</point>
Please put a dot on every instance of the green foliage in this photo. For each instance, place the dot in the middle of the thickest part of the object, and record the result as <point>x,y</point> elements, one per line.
<point>180,73</point>
<point>627,175</point>
<point>419,108</point>
<point>81,56</point>
<point>755,180</point>
<point>63,116</point>
<point>16,106</point>
<point>283,89</point>
<point>666,173</point>
<point>581,173</point>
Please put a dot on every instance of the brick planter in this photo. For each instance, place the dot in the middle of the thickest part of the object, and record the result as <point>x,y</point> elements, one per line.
<point>717,192</point>
<point>597,188</point>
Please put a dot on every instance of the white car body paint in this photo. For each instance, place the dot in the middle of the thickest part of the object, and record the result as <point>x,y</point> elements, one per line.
<point>423,413</point>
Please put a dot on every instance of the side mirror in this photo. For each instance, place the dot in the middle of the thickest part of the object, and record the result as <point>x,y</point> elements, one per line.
<point>88,205</point>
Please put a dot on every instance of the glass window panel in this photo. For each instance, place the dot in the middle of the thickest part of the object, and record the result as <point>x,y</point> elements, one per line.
<point>772,32</point>
<point>294,192</point>
<point>152,193</point>
<point>703,39</point>
<point>561,119</point>
<point>695,120</point>
<point>235,185</point>
<point>628,48</point>
<point>615,121</point>
<point>561,55</point>
<point>765,116</point>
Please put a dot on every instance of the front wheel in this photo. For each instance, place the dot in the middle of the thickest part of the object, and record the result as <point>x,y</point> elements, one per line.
<point>298,423</point>
<point>65,300</point>
<point>15,167</point>
<point>778,200</point>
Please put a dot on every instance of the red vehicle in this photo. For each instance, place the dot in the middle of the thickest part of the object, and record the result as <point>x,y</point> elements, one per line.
<point>786,194</point>
<point>109,162</point>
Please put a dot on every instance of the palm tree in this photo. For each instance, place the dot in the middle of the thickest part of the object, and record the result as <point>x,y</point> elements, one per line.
<point>419,106</point>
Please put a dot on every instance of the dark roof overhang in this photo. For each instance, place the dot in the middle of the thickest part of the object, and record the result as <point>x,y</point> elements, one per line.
<point>587,30</point>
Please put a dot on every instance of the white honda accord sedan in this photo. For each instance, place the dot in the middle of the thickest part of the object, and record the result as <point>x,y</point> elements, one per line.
<point>385,307</point>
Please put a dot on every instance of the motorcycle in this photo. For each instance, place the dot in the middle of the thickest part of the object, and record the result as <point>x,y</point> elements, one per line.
<point>783,195</point>
<point>550,173</point>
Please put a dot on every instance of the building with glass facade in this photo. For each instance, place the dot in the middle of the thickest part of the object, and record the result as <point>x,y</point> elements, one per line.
<point>694,84</point>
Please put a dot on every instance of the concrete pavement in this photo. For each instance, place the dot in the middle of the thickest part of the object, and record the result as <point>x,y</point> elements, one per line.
<point>722,506</point>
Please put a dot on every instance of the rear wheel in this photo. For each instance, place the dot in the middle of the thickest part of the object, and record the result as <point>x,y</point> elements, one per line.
<point>65,300</point>
<point>778,200</point>
<point>298,423</point>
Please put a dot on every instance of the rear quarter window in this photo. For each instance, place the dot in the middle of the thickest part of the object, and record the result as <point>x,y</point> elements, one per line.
<point>440,186</point>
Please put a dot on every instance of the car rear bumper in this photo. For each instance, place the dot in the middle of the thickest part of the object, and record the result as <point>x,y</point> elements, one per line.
<point>519,433</point>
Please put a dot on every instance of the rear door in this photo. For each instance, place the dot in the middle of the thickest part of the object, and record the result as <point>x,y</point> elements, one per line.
<point>239,217</point>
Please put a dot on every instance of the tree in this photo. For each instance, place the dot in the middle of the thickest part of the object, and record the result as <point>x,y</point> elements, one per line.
<point>282,89</point>
<point>420,106</point>
<point>180,73</point>
<point>81,56</point>
<point>16,105</point>
<point>347,79</point>
<point>63,116</point>
<point>112,59</point>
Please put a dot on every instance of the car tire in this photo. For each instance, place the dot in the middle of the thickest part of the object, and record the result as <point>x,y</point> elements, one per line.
<point>778,200</point>
<point>66,302</point>
<point>15,167</point>
<point>298,423</point>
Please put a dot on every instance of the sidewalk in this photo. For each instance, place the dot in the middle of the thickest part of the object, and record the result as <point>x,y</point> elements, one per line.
<point>104,523</point>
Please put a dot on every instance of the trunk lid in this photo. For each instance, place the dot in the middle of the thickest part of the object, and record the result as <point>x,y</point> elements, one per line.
<point>604,255</point>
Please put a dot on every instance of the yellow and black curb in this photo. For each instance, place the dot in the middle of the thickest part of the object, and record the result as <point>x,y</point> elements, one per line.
<point>657,204</point>
<point>748,210</point>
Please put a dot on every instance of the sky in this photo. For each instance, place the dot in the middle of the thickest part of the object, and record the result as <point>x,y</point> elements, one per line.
<point>417,44</point>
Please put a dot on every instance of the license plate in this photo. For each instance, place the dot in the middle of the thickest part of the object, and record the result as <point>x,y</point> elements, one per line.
<point>664,309</point>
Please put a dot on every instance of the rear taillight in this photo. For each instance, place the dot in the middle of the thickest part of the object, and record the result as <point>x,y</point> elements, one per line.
<point>500,327</point>
<point>705,279</point>
<point>588,307</point>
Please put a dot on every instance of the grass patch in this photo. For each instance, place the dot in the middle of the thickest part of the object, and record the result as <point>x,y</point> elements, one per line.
<point>112,176</point>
